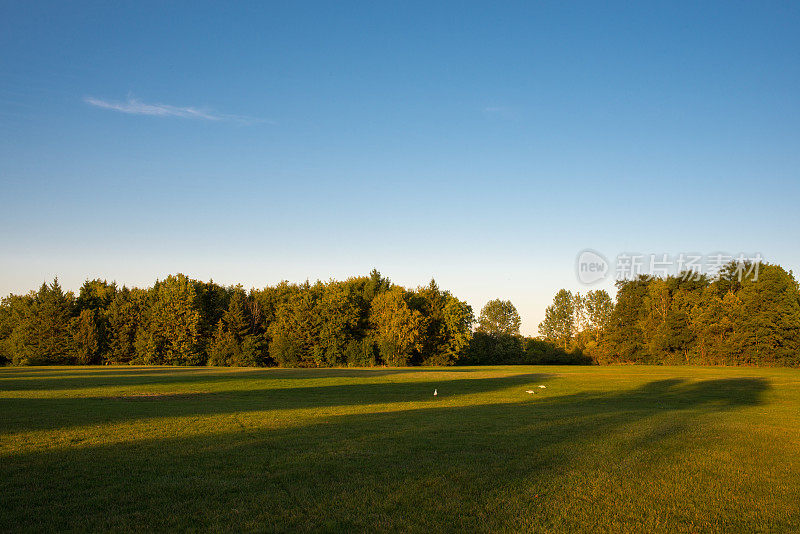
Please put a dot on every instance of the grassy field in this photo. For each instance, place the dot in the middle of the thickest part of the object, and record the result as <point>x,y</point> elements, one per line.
<point>601,448</point>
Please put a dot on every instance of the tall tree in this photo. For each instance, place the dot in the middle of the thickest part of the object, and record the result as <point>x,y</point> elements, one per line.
<point>236,341</point>
<point>769,329</point>
<point>170,330</point>
<point>295,330</point>
<point>337,310</point>
<point>625,336</point>
<point>212,301</point>
<point>86,337</point>
<point>714,320</point>
<point>15,314</point>
<point>598,307</point>
<point>398,329</point>
<point>458,320</point>
<point>44,335</point>
<point>95,295</point>
<point>90,326</point>
<point>499,317</point>
<point>558,325</point>
<point>448,325</point>
<point>123,318</point>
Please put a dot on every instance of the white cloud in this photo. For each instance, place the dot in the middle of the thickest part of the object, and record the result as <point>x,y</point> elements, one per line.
<point>500,112</point>
<point>137,107</point>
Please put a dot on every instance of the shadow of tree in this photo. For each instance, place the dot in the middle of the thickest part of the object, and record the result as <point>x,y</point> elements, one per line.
<point>66,412</point>
<point>484,467</point>
<point>32,378</point>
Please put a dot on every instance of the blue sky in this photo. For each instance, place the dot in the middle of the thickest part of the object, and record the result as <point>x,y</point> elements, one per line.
<point>482,145</point>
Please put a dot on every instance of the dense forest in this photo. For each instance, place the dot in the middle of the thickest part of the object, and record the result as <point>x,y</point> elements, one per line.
<point>362,321</point>
<point>369,321</point>
<point>746,315</point>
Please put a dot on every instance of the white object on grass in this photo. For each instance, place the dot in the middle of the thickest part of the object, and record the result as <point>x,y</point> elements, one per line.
<point>529,391</point>
<point>543,387</point>
<point>435,392</point>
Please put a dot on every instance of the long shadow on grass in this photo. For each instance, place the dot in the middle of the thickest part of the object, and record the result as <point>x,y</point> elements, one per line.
<point>473,468</point>
<point>33,379</point>
<point>27,413</point>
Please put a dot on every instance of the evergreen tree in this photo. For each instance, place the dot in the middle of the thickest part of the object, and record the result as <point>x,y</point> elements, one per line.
<point>15,311</point>
<point>211,301</point>
<point>235,340</point>
<point>86,337</point>
<point>654,328</point>
<point>43,336</point>
<point>169,333</point>
<point>89,329</point>
<point>123,323</point>
<point>769,329</point>
<point>95,295</point>
<point>625,336</point>
<point>295,331</point>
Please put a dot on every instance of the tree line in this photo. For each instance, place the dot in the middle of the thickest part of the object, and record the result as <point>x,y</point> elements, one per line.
<point>362,321</point>
<point>746,315</point>
<point>368,321</point>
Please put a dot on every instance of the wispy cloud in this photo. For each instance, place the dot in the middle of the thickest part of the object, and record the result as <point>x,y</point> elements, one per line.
<point>134,106</point>
<point>500,112</point>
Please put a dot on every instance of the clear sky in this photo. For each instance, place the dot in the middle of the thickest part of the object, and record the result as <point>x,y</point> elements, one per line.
<point>482,145</point>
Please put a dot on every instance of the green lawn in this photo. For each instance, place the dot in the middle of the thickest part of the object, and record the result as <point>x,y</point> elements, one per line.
<point>601,448</point>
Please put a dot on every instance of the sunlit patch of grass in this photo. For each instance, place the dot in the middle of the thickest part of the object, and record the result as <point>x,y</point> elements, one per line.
<point>602,448</point>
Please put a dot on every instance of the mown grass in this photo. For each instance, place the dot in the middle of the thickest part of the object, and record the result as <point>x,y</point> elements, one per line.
<point>643,449</point>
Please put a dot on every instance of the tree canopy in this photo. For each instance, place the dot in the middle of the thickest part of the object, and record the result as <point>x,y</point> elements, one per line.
<point>368,321</point>
<point>685,319</point>
<point>361,321</point>
<point>499,317</point>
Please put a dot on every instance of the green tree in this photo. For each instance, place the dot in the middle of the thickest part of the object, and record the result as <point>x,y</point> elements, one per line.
<point>598,306</point>
<point>123,323</point>
<point>714,321</point>
<point>43,336</point>
<point>15,314</point>
<point>494,349</point>
<point>236,341</point>
<point>338,313</point>
<point>295,330</point>
<point>448,325</point>
<point>686,294</point>
<point>558,325</point>
<point>169,332</point>
<point>769,325</point>
<point>398,329</point>
<point>654,327</point>
<point>499,317</point>
<point>458,320</point>
<point>95,295</point>
<point>625,337</point>
<point>86,337</point>
<point>592,318</point>
<point>211,301</point>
